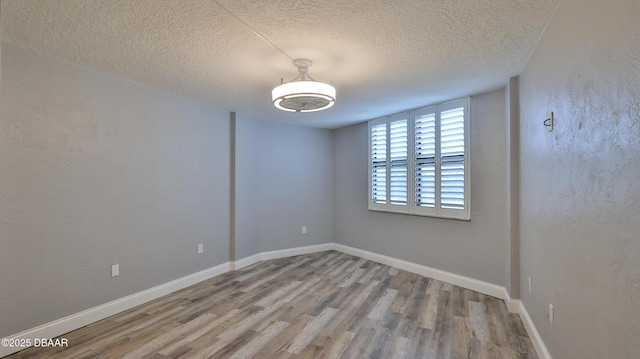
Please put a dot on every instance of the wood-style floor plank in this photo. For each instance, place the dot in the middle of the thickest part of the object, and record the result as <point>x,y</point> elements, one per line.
<point>327,305</point>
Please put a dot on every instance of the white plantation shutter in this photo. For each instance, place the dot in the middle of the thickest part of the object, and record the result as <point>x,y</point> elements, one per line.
<point>425,160</point>
<point>398,139</point>
<point>389,164</point>
<point>452,153</point>
<point>379,163</point>
<point>419,161</point>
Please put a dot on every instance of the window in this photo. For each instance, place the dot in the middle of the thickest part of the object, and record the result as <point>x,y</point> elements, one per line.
<point>419,161</point>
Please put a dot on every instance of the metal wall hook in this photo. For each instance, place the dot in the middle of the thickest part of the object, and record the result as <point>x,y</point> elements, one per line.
<point>549,122</point>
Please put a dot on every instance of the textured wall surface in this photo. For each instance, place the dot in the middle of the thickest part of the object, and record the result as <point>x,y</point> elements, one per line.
<point>383,56</point>
<point>0,38</point>
<point>476,249</point>
<point>512,188</point>
<point>580,188</point>
<point>284,180</point>
<point>296,186</point>
<point>96,170</point>
<point>247,183</point>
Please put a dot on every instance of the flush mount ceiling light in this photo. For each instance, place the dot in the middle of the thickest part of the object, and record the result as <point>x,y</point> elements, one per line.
<point>303,94</point>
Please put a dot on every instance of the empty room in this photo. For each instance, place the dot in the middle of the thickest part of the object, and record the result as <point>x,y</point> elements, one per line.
<point>350,179</point>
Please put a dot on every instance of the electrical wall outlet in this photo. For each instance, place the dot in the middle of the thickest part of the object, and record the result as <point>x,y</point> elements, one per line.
<point>304,229</point>
<point>551,313</point>
<point>115,270</point>
<point>530,285</point>
<point>200,248</point>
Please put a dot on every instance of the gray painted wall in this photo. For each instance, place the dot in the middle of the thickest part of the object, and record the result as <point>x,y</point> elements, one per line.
<point>476,249</point>
<point>97,170</point>
<point>284,180</point>
<point>512,188</point>
<point>247,182</point>
<point>296,186</point>
<point>0,39</point>
<point>580,184</point>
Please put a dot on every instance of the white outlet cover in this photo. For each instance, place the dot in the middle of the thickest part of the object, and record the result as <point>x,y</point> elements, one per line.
<point>304,229</point>
<point>530,289</point>
<point>115,270</point>
<point>200,248</point>
<point>551,313</point>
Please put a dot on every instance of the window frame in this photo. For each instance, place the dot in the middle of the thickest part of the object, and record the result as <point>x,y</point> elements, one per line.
<point>411,207</point>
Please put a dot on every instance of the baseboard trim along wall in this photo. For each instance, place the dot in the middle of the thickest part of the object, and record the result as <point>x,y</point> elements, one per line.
<point>461,281</point>
<point>513,305</point>
<point>290,252</point>
<point>81,319</point>
<point>75,321</point>
<point>541,349</point>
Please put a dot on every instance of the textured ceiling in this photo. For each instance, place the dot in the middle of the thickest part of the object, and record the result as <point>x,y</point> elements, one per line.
<point>382,56</point>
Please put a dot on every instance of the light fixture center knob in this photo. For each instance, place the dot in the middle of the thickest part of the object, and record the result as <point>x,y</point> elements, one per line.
<point>302,63</point>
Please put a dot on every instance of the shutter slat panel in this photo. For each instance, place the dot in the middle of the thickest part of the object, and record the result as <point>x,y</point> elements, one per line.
<point>398,147</point>
<point>438,165</point>
<point>425,160</point>
<point>452,157</point>
<point>379,163</point>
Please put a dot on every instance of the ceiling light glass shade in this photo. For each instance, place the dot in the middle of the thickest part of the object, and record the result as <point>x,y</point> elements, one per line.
<point>303,94</point>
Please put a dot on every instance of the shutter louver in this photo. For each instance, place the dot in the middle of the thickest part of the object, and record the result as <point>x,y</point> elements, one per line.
<point>398,146</point>
<point>379,163</point>
<point>452,159</point>
<point>419,161</point>
<point>425,160</point>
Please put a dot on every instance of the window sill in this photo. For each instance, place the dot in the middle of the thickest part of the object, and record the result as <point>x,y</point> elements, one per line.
<point>463,219</point>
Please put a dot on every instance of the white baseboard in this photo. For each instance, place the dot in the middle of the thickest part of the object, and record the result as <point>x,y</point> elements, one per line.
<point>513,305</point>
<point>290,252</point>
<point>541,349</point>
<point>459,280</point>
<point>516,306</point>
<point>246,261</point>
<point>92,315</point>
<point>297,251</point>
<point>81,319</point>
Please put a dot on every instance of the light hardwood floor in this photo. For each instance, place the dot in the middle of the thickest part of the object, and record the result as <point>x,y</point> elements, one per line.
<point>321,305</point>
